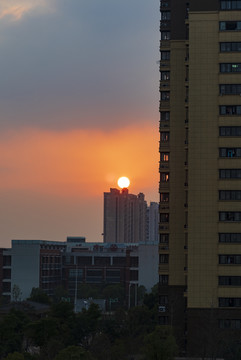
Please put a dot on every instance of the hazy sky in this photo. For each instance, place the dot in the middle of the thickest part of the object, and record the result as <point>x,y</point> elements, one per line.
<point>79,108</point>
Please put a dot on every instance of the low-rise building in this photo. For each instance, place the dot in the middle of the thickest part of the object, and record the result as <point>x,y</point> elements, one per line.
<point>50,264</point>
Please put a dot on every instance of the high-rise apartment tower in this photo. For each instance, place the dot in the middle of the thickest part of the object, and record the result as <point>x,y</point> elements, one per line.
<point>200,173</point>
<point>124,217</point>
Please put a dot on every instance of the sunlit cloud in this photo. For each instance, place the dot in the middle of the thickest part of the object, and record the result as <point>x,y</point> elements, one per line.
<point>16,9</point>
<point>79,163</point>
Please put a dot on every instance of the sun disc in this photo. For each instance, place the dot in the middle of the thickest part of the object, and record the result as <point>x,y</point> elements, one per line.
<point>123,182</point>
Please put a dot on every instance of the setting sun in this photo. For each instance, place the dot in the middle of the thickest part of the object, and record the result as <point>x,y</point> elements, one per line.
<point>123,182</point>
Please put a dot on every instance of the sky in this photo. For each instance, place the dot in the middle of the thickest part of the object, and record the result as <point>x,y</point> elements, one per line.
<point>79,108</point>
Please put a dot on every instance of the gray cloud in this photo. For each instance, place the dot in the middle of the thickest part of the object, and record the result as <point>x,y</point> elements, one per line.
<point>90,63</point>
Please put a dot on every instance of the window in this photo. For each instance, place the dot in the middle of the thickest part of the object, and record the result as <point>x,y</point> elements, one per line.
<point>165,75</point>
<point>230,130</point>
<point>134,261</point>
<point>229,323</point>
<point>229,216</point>
<point>229,25</point>
<point>163,258</point>
<point>165,55</point>
<point>113,276</point>
<point>164,3</point>
<point>230,5</point>
<point>229,302</point>
<point>164,177</point>
<point>229,259</point>
<point>7,260</point>
<point>230,89</point>
<point>230,195</point>
<point>164,197</point>
<point>230,46</point>
<point>76,274</point>
<point>163,299</point>
<point>94,276</point>
<point>229,280</point>
<point>164,156</point>
<point>230,110</point>
<point>164,218</point>
<point>230,68</point>
<point>230,237</point>
<point>165,35</point>
<point>84,260</point>
<point>102,260</point>
<point>165,95</point>
<point>164,238</point>
<point>120,261</point>
<point>163,320</point>
<point>6,287</point>
<point>230,152</point>
<point>165,135</point>
<point>134,275</point>
<point>230,174</point>
<point>163,279</point>
<point>165,115</point>
<point>6,273</point>
<point>166,15</point>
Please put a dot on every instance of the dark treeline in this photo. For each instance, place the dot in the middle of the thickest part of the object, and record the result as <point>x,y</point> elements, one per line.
<point>62,334</point>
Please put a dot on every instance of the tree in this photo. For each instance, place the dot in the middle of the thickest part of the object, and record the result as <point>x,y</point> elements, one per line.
<point>73,353</point>
<point>38,295</point>
<point>60,294</point>
<point>86,291</point>
<point>160,344</point>
<point>141,291</point>
<point>16,293</point>
<point>114,294</point>
<point>151,299</point>
<point>41,331</point>
<point>15,356</point>
<point>12,332</point>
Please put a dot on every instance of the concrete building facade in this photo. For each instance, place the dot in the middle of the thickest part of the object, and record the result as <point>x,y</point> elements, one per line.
<point>200,172</point>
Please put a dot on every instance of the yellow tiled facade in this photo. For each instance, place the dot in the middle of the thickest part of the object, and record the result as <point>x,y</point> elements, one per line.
<point>200,178</point>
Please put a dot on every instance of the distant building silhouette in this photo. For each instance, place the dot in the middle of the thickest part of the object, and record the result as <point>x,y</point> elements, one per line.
<point>124,217</point>
<point>152,222</point>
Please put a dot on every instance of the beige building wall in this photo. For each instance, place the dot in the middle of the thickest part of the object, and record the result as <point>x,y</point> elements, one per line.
<point>203,160</point>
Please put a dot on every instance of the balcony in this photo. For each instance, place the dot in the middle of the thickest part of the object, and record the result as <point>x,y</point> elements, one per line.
<point>164,44</point>
<point>164,124</point>
<point>165,25</point>
<point>163,165</point>
<point>164,65</point>
<point>163,227</point>
<point>164,206</point>
<point>163,267</point>
<point>164,85</point>
<point>164,104</point>
<point>163,247</point>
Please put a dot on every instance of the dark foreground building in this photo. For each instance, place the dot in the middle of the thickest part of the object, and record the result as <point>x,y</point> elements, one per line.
<point>200,173</point>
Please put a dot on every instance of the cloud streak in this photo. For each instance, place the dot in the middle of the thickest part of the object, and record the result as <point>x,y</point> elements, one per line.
<point>16,9</point>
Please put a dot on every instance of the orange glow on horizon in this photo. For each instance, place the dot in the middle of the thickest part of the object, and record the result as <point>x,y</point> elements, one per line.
<point>80,163</point>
